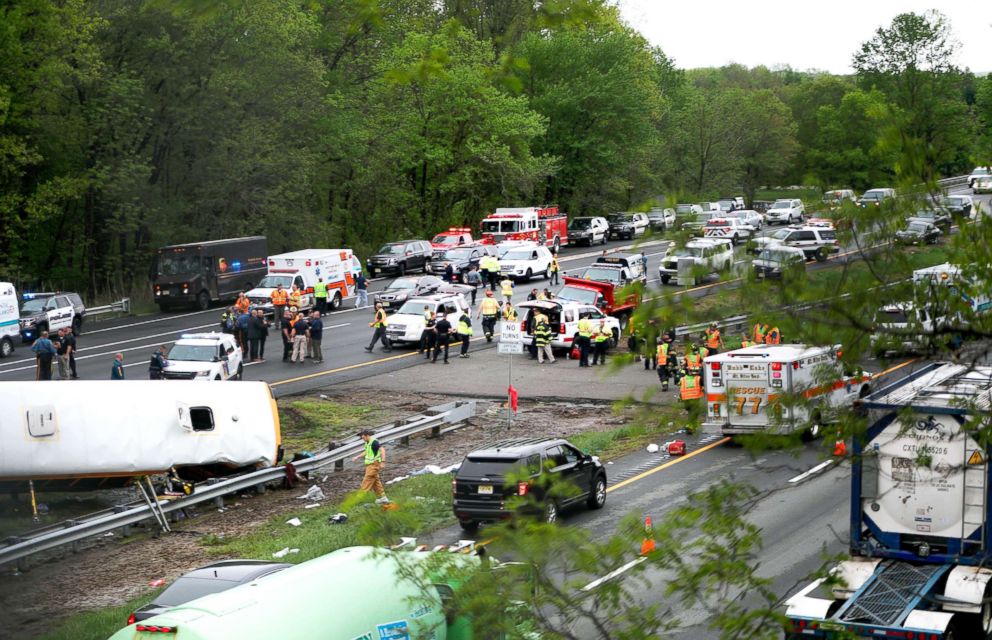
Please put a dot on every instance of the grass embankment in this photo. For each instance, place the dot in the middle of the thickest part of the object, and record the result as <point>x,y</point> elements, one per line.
<point>308,424</point>
<point>99,624</point>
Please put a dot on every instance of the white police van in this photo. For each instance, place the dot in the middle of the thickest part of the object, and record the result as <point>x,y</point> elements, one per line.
<point>204,356</point>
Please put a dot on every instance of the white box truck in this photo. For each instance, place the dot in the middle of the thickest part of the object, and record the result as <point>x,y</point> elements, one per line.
<point>302,268</point>
<point>777,389</point>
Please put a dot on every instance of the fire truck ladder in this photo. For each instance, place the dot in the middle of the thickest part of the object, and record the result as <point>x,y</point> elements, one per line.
<point>891,594</point>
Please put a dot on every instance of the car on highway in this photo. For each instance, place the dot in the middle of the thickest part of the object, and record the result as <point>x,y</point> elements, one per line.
<point>544,474</point>
<point>696,224</point>
<point>977,173</point>
<point>400,257</point>
<point>730,203</point>
<point>785,211</point>
<point>918,231</point>
<point>204,356</point>
<point>524,262</point>
<point>618,269</point>
<point>836,197</point>
<point>747,216</point>
<point>875,197</point>
<point>735,229</point>
<point>661,219</point>
<point>213,578</point>
<point>958,206</point>
<point>711,255</point>
<point>775,261</point>
<point>407,325</point>
<point>940,218</point>
<point>816,242</point>
<point>982,184</point>
<point>564,314</point>
<point>50,312</point>
<point>461,260</point>
<point>627,225</point>
<point>588,230</point>
<point>686,209</point>
<point>401,289</point>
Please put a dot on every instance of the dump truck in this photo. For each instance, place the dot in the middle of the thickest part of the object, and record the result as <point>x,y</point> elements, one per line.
<point>602,295</point>
<point>919,518</point>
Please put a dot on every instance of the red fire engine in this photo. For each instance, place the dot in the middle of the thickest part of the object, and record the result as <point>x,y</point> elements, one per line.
<point>540,224</point>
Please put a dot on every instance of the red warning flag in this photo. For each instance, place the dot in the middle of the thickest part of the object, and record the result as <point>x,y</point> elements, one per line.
<point>513,398</point>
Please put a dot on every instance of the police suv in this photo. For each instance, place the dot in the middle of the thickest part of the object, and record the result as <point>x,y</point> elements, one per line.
<point>407,324</point>
<point>204,356</point>
<point>50,312</point>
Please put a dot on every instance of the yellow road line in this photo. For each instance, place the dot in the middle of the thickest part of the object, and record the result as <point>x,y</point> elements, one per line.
<point>641,476</point>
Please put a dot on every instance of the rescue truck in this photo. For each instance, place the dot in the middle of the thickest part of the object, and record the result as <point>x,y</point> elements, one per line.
<point>543,225</point>
<point>302,268</point>
<point>919,528</point>
<point>778,388</point>
<point>450,239</point>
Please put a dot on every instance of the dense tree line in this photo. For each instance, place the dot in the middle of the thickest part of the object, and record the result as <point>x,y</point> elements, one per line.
<point>126,125</point>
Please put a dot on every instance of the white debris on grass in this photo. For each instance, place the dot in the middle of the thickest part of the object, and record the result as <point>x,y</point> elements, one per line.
<point>294,522</point>
<point>282,553</point>
<point>314,494</point>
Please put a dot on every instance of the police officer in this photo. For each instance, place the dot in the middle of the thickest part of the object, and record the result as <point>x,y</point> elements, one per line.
<point>379,325</point>
<point>585,333</point>
<point>228,320</point>
<point>320,295</point>
<point>157,364</point>
<point>489,312</point>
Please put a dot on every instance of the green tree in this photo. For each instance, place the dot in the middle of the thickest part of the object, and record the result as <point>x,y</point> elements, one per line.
<point>768,140</point>
<point>845,150</point>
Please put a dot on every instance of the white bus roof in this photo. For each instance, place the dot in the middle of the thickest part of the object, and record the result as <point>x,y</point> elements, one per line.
<point>303,254</point>
<point>948,386</point>
<point>771,353</point>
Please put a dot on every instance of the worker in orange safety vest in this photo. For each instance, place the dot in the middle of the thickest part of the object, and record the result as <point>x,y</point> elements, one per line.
<point>773,336</point>
<point>714,342</point>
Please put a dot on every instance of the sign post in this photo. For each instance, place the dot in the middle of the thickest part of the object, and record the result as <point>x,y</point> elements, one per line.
<point>511,341</point>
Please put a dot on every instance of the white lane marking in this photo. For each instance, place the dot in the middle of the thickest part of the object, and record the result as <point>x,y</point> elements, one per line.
<point>818,468</point>
<point>613,574</point>
<point>90,332</point>
<point>591,254</point>
<point>144,346</point>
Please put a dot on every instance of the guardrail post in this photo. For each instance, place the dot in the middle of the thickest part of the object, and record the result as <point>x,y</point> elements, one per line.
<point>339,465</point>
<point>126,529</point>
<point>68,525</point>
<point>405,440</point>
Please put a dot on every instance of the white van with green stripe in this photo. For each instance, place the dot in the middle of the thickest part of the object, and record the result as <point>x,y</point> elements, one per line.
<point>9,316</point>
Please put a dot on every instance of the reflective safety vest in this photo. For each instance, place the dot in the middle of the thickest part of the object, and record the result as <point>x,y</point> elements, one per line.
<point>662,354</point>
<point>746,343</point>
<point>463,326</point>
<point>294,298</point>
<point>689,388</point>
<point>585,328</point>
<point>601,335</point>
<point>320,290</point>
<point>490,307</point>
<point>487,263</point>
<point>773,337</point>
<point>509,313</point>
<point>542,334</point>
<point>703,352</point>
<point>713,338</point>
<point>243,304</point>
<point>554,263</point>
<point>693,361</point>
<point>506,287</point>
<point>279,297</point>
<point>380,319</point>
<point>759,332</point>
<point>428,314</point>
<point>371,457</point>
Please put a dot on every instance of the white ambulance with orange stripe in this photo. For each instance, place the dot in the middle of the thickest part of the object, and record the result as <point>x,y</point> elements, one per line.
<point>780,388</point>
<point>302,268</point>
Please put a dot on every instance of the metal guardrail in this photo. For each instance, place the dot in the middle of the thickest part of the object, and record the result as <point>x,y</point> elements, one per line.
<point>724,325</point>
<point>434,419</point>
<point>121,306</point>
<point>952,182</point>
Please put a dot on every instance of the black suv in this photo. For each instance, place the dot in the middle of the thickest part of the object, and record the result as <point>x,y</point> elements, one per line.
<point>401,257</point>
<point>489,478</point>
<point>461,260</point>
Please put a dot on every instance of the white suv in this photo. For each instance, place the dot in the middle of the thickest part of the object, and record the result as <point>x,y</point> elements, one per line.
<point>204,356</point>
<point>407,325</point>
<point>563,319</point>
<point>786,211</point>
<point>524,262</point>
<point>815,242</point>
<point>733,228</point>
<point>713,254</point>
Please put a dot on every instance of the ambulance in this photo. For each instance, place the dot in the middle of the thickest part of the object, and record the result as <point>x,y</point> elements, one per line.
<point>780,388</point>
<point>302,268</point>
<point>9,316</point>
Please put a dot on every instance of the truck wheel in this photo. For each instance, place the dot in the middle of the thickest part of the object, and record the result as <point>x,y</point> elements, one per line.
<point>6,347</point>
<point>469,526</point>
<point>528,275</point>
<point>812,432</point>
<point>821,254</point>
<point>402,268</point>
<point>203,301</point>
<point>336,302</point>
<point>427,266</point>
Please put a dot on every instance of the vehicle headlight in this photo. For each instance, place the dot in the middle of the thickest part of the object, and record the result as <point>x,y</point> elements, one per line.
<point>203,374</point>
<point>391,261</point>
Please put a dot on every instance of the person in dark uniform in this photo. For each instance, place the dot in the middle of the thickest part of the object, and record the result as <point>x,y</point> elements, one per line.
<point>69,344</point>
<point>44,352</point>
<point>157,364</point>
<point>286,329</point>
<point>443,330</point>
<point>429,339</point>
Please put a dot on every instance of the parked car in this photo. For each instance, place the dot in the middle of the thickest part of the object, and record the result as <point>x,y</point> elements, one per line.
<point>618,269</point>
<point>50,312</point>
<point>687,209</point>
<point>875,197</point>
<point>400,257</point>
<point>489,478</point>
<point>730,203</point>
<point>212,578</point>
<point>786,211</point>
<point>816,242</point>
<point>401,289</point>
<point>979,172</point>
<point>710,254</point>
<point>959,206</point>
<point>774,261</point>
<point>588,230</point>
<point>204,356</point>
<point>937,217</point>
<point>696,224</point>
<point>982,184</point>
<point>918,231</point>
<point>661,219</point>
<point>835,198</point>
<point>524,262</point>
<point>747,216</point>
<point>733,228</point>
<point>627,225</point>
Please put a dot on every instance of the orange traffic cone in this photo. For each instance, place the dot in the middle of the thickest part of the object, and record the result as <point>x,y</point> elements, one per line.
<point>840,449</point>
<point>648,545</point>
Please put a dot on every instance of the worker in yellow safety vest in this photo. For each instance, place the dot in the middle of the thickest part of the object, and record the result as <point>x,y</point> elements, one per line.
<point>489,312</point>
<point>295,296</point>
<point>506,289</point>
<point>745,341</point>
<point>773,337</point>
<point>600,342</point>
<point>509,313</point>
<point>693,361</point>
<point>662,359</point>
<point>320,295</point>
<point>379,325</point>
<point>714,342</point>
<point>555,269</point>
<point>585,334</point>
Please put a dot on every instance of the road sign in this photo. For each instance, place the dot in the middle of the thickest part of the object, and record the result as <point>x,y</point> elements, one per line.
<point>510,332</point>
<point>510,347</point>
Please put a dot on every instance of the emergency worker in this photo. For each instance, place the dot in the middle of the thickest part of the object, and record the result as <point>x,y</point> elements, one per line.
<point>542,339</point>
<point>428,328</point>
<point>157,364</point>
<point>489,312</point>
<point>509,313</point>
<point>714,342</point>
<point>746,341</point>
<point>320,295</point>
<point>279,300</point>
<point>661,359</point>
<point>555,270</point>
<point>429,338</point>
<point>374,457</point>
<point>601,340</point>
<point>585,334</point>
<point>773,336</point>
<point>379,325</point>
<point>295,297</point>
<point>465,332</point>
<point>693,361</point>
<point>759,332</point>
<point>242,305</point>
<point>506,289</point>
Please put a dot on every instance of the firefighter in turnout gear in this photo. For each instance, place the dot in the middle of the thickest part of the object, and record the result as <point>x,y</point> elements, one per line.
<point>542,340</point>
<point>693,361</point>
<point>714,342</point>
<point>662,361</point>
<point>489,312</point>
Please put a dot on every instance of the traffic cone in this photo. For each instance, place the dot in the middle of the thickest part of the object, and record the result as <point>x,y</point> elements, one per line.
<point>648,545</point>
<point>840,449</point>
